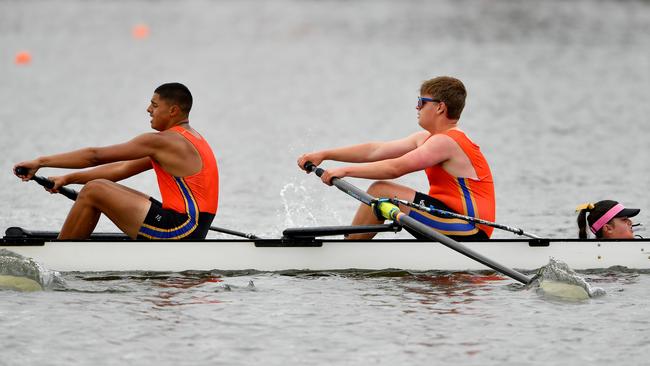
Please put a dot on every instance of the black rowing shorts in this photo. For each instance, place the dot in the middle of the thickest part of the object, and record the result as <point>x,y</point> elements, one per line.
<point>456,229</point>
<point>170,225</point>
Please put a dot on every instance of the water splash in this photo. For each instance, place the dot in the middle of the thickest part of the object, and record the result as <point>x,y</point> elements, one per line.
<point>297,202</point>
<point>24,274</point>
<point>557,279</point>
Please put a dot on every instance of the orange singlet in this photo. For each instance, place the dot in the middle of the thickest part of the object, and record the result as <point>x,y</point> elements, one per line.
<point>196,196</point>
<point>466,196</point>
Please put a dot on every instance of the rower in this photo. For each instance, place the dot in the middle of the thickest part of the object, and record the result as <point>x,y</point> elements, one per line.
<point>184,163</point>
<point>607,220</point>
<point>459,175</point>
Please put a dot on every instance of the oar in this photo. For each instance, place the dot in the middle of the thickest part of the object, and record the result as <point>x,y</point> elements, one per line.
<point>233,232</point>
<point>72,194</point>
<point>391,212</point>
<point>438,211</point>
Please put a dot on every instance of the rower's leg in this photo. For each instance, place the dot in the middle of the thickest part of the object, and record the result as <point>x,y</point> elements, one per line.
<point>127,208</point>
<point>380,189</point>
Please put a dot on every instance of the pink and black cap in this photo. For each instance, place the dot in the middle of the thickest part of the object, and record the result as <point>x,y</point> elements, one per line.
<point>604,211</point>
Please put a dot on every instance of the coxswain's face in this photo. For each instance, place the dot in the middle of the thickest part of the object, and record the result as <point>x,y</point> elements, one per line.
<point>618,228</point>
<point>160,112</point>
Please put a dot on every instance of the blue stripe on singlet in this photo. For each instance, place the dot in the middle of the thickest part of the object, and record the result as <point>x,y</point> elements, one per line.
<point>467,197</point>
<point>183,229</point>
<point>447,226</point>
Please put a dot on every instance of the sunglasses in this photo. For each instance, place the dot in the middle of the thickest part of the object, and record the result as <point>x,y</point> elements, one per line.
<point>422,101</point>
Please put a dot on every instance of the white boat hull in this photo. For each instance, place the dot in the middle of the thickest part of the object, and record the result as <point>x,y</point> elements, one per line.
<point>276,255</point>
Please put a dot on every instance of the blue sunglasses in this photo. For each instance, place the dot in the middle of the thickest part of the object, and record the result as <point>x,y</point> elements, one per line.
<point>422,101</point>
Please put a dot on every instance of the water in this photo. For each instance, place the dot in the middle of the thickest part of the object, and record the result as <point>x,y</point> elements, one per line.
<point>557,100</point>
<point>325,318</point>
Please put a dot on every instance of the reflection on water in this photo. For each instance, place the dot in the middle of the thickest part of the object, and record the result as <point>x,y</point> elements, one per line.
<point>181,291</point>
<point>186,282</point>
<point>450,293</point>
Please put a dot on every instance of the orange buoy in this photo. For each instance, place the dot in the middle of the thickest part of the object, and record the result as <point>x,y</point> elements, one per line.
<point>140,31</point>
<point>23,58</point>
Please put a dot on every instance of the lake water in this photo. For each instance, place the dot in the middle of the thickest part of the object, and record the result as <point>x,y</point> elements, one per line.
<point>558,102</point>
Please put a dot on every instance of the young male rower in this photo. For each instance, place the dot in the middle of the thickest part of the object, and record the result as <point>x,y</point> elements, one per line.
<point>184,163</point>
<point>607,220</point>
<point>459,176</point>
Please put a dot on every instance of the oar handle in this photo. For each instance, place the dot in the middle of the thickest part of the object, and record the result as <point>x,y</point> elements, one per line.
<point>311,167</point>
<point>70,193</point>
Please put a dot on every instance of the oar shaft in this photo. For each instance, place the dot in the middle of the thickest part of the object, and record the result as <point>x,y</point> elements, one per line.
<point>426,231</point>
<point>421,228</point>
<point>68,192</point>
<point>233,232</point>
<point>344,186</point>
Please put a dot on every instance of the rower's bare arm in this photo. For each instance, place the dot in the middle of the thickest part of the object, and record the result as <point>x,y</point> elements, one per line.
<point>396,148</point>
<point>374,151</point>
<point>366,152</point>
<point>435,150</point>
<point>145,145</point>
<point>114,172</point>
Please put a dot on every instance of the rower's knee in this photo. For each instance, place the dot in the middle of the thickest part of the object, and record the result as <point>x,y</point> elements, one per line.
<point>379,188</point>
<point>94,190</point>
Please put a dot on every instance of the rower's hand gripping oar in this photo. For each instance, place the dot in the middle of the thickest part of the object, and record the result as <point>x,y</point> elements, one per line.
<point>392,212</point>
<point>72,194</point>
<point>68,192</point>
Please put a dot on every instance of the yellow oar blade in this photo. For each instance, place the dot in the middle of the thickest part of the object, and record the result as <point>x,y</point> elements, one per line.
<point>563,290</point>
<point>24,274</point>
<point>8,282</point>
<point>558,280</point>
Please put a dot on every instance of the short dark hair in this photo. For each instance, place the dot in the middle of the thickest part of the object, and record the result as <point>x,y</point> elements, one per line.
<point>176,93</point>
<point>449,90</point>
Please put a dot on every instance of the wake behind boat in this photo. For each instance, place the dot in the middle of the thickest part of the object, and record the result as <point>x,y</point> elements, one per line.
<point>298,251</point>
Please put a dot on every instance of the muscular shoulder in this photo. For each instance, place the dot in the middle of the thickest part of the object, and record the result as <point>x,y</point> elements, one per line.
<point>440,141</point>
<point>420,137</point>
<point>440,148</point>
<point>159,139</point>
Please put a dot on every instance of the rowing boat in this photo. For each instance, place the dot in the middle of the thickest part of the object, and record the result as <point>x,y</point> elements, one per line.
<point>115,252</point>
<point>303,249</point>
